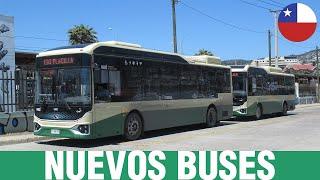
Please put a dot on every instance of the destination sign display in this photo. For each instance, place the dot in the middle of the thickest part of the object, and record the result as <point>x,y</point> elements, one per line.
<point>58,61</point>
<point>69,60</point>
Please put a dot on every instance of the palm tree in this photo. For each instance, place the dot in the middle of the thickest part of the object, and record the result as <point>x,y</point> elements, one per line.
<point>82,34</point>
<point>204,52</point>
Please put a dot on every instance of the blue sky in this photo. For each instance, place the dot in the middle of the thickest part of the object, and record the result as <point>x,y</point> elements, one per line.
<point>149,23</point>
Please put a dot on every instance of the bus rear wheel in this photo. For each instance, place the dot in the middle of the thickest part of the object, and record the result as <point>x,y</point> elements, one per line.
<point>133,126</point>
<point>284,109</point>
<point>211,119</point>
<point>258,112</point>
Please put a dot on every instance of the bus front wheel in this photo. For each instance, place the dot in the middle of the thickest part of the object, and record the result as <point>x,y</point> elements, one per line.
<point>258,112</point>
<point>211,120</point>
<point>133,126</point>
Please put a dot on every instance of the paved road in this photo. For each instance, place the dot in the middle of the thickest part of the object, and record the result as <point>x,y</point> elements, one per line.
<point>300,130</point>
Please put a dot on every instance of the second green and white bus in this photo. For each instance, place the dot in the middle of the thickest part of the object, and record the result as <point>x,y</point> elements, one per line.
<point>259,91</point>
<point>115,88</point>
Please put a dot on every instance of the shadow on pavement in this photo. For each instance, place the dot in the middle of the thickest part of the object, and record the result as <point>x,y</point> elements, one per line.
<point>115,140</point>
<point>265,117</point>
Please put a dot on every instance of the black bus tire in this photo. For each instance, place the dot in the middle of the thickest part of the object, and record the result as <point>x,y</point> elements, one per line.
<point>284,109</point>
<point>211,118</point>
<point>133,127</point>
<point>258,114</point>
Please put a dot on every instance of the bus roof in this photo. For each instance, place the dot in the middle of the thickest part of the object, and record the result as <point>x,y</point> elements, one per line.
<point>89,49</point>
<point>268,69</point>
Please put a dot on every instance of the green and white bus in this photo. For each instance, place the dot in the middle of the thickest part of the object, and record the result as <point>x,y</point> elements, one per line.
<point>258,91</point>
<point>116,88</point>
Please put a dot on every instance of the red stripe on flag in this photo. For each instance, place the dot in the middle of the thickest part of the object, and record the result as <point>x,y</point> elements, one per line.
<point>297,32</point>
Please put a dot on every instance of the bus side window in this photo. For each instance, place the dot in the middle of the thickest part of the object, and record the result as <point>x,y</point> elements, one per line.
<point>250,86</point>
<point>212,83</point>
<point>101,92</point>
<point>169,81</point>
<point>107,84</point>
<point>254,86</point>
<point>151,83</point>
<point>259,85</point>
<point>267,86</point>
<point>186,83</point>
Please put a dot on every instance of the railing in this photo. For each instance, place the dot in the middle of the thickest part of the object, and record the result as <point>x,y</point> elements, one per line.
<point>308,100</point>
<point>16,91</point>
<point>307,90</point>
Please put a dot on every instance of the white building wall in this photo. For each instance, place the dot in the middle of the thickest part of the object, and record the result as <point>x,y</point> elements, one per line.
<point>7,61</point>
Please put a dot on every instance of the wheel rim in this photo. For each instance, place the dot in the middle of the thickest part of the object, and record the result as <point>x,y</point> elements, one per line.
<point>258,113</point>
<point>133,125</point>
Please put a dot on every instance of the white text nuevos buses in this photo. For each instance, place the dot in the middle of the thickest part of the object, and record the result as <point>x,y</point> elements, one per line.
<point>115,88</point>
<point>262,90</point>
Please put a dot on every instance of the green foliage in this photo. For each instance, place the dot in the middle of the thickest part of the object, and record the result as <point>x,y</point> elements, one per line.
<point>82,34</point>
<point>204,52</point>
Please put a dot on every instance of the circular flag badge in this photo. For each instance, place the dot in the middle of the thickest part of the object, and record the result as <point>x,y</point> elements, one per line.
<point>297,22</point>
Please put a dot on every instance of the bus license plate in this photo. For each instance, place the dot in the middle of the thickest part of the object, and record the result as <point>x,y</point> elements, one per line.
<point>55,131</point>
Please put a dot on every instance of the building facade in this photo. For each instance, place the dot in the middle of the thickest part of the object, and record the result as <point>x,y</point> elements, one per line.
<point>282,62</point>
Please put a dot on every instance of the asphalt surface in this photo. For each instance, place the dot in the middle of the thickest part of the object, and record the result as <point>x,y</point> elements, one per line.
<point>300,130</point>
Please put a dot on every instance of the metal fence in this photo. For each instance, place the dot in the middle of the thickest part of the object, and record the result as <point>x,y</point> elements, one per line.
<point>307,90</point>
<point>308,93</point>
<point>308,100</point>
<point>17,91</point>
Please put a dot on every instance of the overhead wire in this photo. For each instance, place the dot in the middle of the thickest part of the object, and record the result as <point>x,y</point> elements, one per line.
<point>255,5</point>
<point>277,2</point>
<point>221,21</point>
<point>271,4</point>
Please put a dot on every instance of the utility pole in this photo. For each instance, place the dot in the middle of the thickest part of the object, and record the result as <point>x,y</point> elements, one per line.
<point>276,32</point>
<point>317,64</point>
<point>174,25</point>
<point>269,46</point>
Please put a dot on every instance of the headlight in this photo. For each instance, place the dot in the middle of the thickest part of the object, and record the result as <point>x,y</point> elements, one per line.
<point>84,129</point>
<point>36,127</point>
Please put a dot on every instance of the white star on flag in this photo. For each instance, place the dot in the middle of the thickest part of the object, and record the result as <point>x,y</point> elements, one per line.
<point>287,13</point>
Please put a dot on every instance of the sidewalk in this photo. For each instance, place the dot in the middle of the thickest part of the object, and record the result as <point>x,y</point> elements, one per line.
<point>16,138</point>
<point>307,105</point>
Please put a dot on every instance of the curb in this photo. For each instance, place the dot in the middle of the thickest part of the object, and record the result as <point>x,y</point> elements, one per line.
<point>19,138</point>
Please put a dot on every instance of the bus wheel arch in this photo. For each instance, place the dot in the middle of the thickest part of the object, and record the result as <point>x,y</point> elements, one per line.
<point>211,113</point>
<point>133,125</point>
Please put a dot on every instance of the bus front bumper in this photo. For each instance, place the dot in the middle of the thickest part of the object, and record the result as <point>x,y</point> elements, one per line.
<point>62,133</point>
<point>73,133</point>
<point>239,111</point>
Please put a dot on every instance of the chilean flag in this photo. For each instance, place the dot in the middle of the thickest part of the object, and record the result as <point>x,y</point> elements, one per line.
<point>297,22</point>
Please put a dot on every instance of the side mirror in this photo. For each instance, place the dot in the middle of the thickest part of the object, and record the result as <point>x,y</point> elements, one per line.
<point>96,66</point>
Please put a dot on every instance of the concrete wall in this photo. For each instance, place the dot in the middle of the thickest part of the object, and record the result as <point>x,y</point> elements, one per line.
<point>16,122</point>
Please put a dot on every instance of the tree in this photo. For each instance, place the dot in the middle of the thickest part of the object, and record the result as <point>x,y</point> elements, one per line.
<point>82,34</point>
<point>204,52</point>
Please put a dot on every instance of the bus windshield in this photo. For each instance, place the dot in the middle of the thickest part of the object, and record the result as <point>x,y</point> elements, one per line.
<point>239,81</point>
<point>70,86</point>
